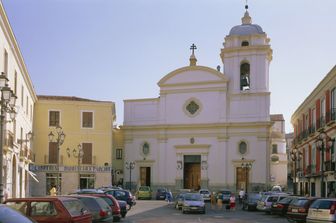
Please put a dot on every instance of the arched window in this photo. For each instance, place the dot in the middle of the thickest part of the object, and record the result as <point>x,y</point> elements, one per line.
<point>242,148</point>
<point>245,76</point>
<point>245,43</point>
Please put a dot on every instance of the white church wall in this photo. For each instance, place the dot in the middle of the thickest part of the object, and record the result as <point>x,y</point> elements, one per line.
<point>141,112</point>
<point>209,111</point>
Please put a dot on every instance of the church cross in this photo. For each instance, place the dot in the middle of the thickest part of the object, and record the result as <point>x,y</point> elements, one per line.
<point>193,47</point>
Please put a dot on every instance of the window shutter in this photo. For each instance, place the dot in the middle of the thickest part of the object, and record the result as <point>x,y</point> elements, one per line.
<point>53,152</point>
<point>87,149</point>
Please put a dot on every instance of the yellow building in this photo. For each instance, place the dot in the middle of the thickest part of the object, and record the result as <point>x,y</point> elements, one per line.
<point>16,152</point>
<point>118,156</point>
<point>87,127</point>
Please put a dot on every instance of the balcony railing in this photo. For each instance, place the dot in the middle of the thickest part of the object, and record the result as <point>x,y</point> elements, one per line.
<point>308,170</point>
<point>331,115</point>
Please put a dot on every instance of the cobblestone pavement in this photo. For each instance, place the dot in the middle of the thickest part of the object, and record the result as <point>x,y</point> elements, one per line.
<point>161,212</point>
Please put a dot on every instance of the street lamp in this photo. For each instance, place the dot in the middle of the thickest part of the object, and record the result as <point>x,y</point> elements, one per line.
<point>321,139</point>
<point>130,166</point>
<point>7,103</point>
<point>295,155</point>
<point>246,166</point>
<point>28,138</point>
<point>78,154</point>
<point>59,140</point>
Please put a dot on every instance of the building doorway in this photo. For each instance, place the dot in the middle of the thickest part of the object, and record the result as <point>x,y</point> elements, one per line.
<point>192,172</point>
<point>242,179</point>
<point>145,176</point>
<point>87,181</point>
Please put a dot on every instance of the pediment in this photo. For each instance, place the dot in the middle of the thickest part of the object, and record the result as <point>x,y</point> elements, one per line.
<point>192,75</point>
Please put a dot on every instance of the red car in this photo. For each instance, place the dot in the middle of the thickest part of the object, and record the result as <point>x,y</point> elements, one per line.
<point>52,209</point>
<point>298,209</point>
<point>112,202</point>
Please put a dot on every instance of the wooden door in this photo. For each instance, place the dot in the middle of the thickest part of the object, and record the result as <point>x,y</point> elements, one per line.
<point>192,176</point>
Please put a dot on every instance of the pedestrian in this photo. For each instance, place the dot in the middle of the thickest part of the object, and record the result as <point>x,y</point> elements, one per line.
<point>169,196</point>
<point>232,202</point>
<point>219,201</point>
<point>53,191</point>
<point>213,200</point>
<point>241,195</point>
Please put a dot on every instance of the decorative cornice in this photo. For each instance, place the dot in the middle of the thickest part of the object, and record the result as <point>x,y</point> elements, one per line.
<point>193,146</point>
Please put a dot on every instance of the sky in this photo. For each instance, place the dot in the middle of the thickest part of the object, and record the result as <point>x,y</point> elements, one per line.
<point>119,49</point>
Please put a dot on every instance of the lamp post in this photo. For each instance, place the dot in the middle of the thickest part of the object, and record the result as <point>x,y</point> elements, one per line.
<point>78,154</point>
<point>130,166</point>
<point>28,138</point>
<point>7,103</point>
<point>322,140</point>
<point>296,155</point>
<point>246,167</point>
<point>59,140</point>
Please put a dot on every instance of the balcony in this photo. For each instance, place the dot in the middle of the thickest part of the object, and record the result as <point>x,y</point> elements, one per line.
<point>308,170</point>
<point>331,115</point>
<point>329,166</point>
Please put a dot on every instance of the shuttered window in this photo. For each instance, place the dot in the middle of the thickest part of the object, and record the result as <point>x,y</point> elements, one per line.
<point>53,152</point>
<point>87,119</point>
<point>54,118</point>
<point>87,149</point>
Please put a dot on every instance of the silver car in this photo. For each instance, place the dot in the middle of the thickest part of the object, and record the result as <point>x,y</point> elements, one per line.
<point>205,193</point>
<point>322,210</point>
<point>193,202</point>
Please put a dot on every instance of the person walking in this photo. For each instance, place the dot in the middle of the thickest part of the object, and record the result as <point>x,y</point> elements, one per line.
<point>213,200</point>
<point>241,196</point>
<point>232,202</point>
<point>219,201</point>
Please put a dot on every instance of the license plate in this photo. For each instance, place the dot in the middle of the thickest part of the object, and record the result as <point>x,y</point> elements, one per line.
<point>294,210</point>
<point>194,208</point>
<point>274,205</point>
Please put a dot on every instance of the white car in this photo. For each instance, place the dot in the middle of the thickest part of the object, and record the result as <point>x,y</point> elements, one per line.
<point>205,193</point>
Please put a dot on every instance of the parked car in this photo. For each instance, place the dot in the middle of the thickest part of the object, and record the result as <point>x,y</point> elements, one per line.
<point>193,202</point>
<point>281,206</point>
<point>112,202</point>
<point>123,195</point>
<point>224,195</point>
<point>322,210</point>
<point>161,193</point>
<point>144,192</point>
<point>52,209</point>
<point>179,200</point>
<point>298,209</point>
<point>205,193</point>
<point>264,204</point>
<point>101,211</point>
<point>250,201</point>
<point>122,204</point>
<point>9,215</point>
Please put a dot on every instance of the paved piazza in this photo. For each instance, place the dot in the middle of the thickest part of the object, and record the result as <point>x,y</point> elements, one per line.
<point>161,212</point>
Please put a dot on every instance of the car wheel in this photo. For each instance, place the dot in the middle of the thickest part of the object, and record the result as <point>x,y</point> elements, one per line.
<point>116,219</point>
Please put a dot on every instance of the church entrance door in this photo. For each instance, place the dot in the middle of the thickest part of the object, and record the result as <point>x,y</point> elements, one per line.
<point>192,172</point>
<point>242,178</point>
<point>145,176</point>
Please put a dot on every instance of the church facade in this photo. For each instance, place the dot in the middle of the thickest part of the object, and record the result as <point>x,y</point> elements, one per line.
<point>210,129</point>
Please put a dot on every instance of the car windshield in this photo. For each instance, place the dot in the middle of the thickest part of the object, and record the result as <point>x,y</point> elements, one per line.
<point>204,192</point>
<point>300,202</point>
<point>193,197</point>
<point>144,188</point>
<point>254,196</point>
<point>161,190</point>
<point>75,207</point>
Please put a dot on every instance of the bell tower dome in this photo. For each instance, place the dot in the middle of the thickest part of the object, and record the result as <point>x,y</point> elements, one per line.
<point>246,57</point>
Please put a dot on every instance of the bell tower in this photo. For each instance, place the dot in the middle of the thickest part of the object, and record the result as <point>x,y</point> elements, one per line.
<point>246,57</point>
